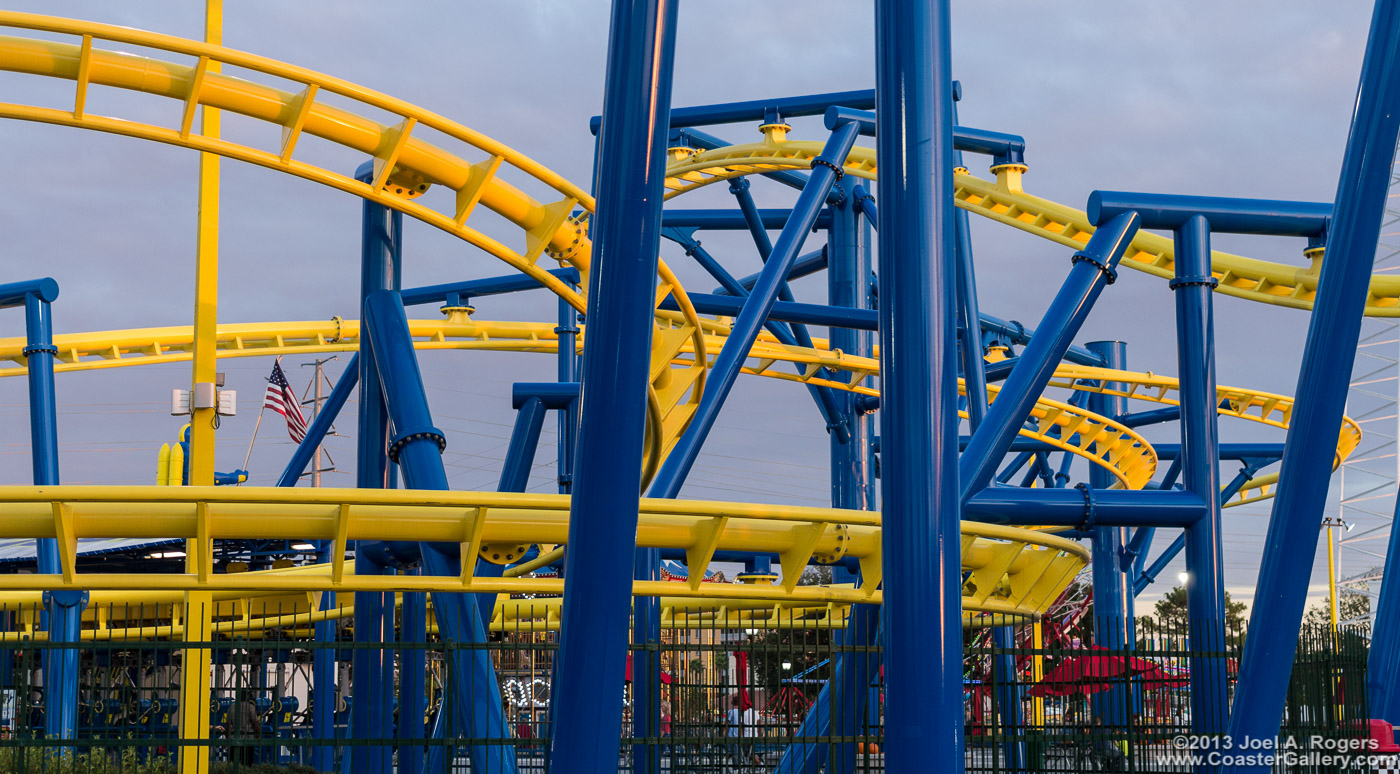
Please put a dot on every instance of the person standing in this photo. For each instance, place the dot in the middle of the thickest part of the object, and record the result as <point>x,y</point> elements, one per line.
<point>741,726</point>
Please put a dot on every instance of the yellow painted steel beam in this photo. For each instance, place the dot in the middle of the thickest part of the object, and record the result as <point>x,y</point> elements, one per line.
<point>196,663</point>
<point>1010,571</point>
<point>1004,201</point>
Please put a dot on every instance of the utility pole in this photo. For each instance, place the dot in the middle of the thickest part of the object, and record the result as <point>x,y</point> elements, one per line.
<point>315,402</point>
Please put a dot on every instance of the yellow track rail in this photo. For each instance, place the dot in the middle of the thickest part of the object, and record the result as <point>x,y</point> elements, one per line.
<point>1098,439</point>
<point>1004,201</point>
<point>481,172</point>
<point>1009,571</point>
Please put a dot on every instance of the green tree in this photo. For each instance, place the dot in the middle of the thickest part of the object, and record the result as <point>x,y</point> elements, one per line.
<point>1350,607</point>
<point>1170,614</point>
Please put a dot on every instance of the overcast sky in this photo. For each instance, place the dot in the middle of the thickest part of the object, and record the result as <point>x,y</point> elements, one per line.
<point>1235,99</point>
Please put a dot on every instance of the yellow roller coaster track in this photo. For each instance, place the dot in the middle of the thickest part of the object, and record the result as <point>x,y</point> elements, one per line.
<point>1004,201</point>
<point>1096,438</point>
<point>112,615</point>
<point>1008,571</point>
<point>474,167</point>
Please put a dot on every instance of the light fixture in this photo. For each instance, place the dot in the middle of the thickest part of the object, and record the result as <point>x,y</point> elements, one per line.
<point>167,555</point>
<point>787,665</point>
<point>303,547</point>
<point>1183,576</point>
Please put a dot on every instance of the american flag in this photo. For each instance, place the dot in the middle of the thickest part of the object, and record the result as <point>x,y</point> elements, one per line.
<point>280,398</point>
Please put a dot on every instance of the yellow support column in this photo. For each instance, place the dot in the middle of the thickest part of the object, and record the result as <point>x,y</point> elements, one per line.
<point>195,683</point>
<point>206,274</point>
<point>195,668</point>
<point>1038,674</point>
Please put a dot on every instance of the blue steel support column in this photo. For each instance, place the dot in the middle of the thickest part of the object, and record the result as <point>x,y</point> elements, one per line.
<point>922,611</point>
<point>64,608</point>
<point>1333,330</point>
<point>631,165</point>
<point>848,285</point>
<point>825,173</point>
<point>1113,597</point>
<point>1091,270</point>
<point>413,695</point>
<point>417,446</point>
<point>381,249</point>
<point>1008,699</point>
<point>969,325</point>
<point>1383,662</point>
<point>1200,473</point>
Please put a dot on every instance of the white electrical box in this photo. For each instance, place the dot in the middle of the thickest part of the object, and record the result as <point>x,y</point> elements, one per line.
<point>179,402</point>
<point>228,403</point>
<point>206,396</point>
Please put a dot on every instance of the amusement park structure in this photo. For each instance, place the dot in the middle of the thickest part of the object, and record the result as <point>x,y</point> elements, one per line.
<point>936,411</point>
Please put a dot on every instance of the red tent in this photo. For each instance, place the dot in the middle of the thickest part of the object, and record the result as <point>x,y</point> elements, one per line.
<point>665,677</point>
<point>1083,675</point>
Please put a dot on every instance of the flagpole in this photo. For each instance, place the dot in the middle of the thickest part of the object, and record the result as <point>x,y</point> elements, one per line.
<point>263,403</point>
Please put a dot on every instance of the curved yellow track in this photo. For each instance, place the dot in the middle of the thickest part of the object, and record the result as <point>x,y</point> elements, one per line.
<point>1004,201</point>
<point>472,166</point>
<point>1008,571</point>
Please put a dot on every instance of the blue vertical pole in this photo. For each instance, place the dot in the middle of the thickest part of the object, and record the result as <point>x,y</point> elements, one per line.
<point>1008,697</point>
<point>64,608</point>
<point>381,250</point>
<point>631,165</point>
<point>474,692</point>
<point>1113,596</point>
<point>323,678</point>
<point>515,475</point>
<point>1383,662</point>
<point>969,316</point>
<point>413,693</point>
<point>1200,469</point>
<point>922,612</point>
<point>1333,331</point>
<point>849,269</point>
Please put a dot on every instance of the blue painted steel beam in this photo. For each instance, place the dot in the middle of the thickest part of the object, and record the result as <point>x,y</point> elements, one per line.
<point>761,109</point>
<point>1112,586</point>
<point>805,265</point>
<point>417,447</point>
<point>755,311</point>
<point>1003,148</point>
<point>1333,330</point>
<point>1072,507</point>
<point>730,220</point>
<point>1008,697</point>
<point>1091,270</point>
<point>1383,661</point>
<point>1226,215</point>
<point>865,204</point>
<point>840,706</point>
<point>1200,473</point>
<point>739,187</point>
<point>1151,417</point>
<point>63,609</point>
<point>325,417</point>
<point>413,692</point>
<point>490,286</point>
<point>921,616</point>
<point>631,163</point>
<point>381,250</point>
<point>16,294</point>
